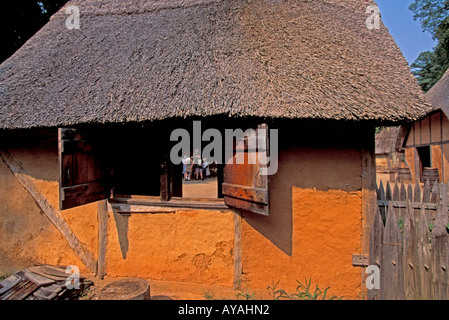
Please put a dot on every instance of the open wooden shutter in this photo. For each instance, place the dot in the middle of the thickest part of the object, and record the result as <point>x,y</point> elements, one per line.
<point>243,186</point>
<point>83,175</point>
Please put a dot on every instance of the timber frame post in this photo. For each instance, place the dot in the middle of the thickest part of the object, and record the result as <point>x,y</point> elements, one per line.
<point>79,248</point>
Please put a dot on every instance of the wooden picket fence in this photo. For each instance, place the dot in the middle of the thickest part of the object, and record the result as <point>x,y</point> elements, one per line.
<point>409,242</point>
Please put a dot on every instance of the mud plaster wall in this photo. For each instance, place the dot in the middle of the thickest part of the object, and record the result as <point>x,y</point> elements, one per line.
<point>315,224</point>
<point>314,229</point>
<point>26,235</point>
<point>188,246</point>
<point>191,246</point>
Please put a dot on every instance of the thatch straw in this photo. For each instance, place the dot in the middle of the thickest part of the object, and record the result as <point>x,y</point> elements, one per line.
<point>136,60</point>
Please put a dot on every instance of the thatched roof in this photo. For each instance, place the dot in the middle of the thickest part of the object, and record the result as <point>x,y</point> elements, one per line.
<point>390,139</point>
<point>136,60</point>
<point>438,95</point>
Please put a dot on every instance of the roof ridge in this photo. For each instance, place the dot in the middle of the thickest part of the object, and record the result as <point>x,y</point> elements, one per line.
<point>114,7</point>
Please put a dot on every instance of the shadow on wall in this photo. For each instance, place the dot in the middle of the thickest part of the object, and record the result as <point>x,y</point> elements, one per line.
<point>310,158</point>
<point>121,223</point>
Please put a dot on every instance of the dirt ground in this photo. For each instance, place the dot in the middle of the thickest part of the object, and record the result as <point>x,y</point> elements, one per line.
<point>167,290</point>
<point>206,188</point>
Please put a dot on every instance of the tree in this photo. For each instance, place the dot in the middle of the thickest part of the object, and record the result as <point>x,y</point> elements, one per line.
<point>431,13</point>
<point>430,66</point>
<point>21,19</point>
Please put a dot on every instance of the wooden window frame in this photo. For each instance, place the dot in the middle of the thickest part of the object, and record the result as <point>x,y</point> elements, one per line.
<point>248,194</point>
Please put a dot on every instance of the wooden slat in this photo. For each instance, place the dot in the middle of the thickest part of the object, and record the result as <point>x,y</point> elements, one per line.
<point>81,194</point>
<point>424,262</point>
<point>381,197</point>
<point>83,173</point>
<point>417,195</point>
<point>244,187</point>
<point>102,217</point>
<point>440,256</point>
<point>410,255</point>
<point>392,280</point>
<point>425,254</point>
<point>410,192</point>
<point>257,195</point>
<point>360,260</point>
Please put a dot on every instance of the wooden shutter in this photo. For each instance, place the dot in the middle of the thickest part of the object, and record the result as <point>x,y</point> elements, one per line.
<point>243,186</point>
<point>83,176</point>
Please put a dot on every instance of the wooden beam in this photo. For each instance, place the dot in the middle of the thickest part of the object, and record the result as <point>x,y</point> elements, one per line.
<point>102,214</point>
<point>50,212</point>
<point>238,269</point>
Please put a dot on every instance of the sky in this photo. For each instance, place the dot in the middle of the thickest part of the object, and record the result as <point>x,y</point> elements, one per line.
<point>407,32</point>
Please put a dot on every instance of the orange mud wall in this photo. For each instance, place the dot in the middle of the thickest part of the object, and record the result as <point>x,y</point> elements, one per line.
<point>191,246</point>
<point>26,235</point>
<point>318,221</point>
<point>187,246</point>
<point>317,217</point>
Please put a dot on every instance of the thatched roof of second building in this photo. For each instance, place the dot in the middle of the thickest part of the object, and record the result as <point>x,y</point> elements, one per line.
<point>136,60</point>
<point>438,95</point>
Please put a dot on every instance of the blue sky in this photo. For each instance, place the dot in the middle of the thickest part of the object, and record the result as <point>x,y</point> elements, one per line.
<point>407,32</point>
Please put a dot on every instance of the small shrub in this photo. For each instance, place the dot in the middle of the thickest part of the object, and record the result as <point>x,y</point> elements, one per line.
<point>303,292</point>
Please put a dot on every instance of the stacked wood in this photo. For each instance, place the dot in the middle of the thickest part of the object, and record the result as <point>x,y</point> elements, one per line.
<point>410,242</point>
<point>41,282</point>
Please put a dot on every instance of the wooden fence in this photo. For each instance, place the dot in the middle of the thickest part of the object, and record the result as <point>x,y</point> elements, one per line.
<point>409,241</point>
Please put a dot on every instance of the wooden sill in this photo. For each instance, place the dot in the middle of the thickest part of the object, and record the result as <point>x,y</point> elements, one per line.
<point>125,204</point>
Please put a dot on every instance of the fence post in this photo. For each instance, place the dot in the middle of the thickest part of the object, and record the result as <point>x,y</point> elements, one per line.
<point>375,250</point>
<point>392,280</point>
<point>440,247</point>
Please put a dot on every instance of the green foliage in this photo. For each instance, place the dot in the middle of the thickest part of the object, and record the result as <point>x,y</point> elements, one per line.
<point>303,292</point>
<point>430,66</point>
<point>430,13</point>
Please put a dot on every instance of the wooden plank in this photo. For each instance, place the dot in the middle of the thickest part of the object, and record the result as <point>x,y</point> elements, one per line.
<point>388,198</point>
<point>247,176</point>
<point>83,174</point>
<point>417,195</point>
<point>375,251</point>
<point>396,195</point>
<point>410,192</point>
<point>133,204</point>
<point>247,206</point>
<point>165,180</point>
<point>360,260</point>
<point>38,279</point>
<point>440,256</point>
<point>238,260</point>
<point>423,253</point>
<point>369,206</point>
<point>24,291</point>
<point>381,197</point>
<point>49,211</point>
<point>426,192</point>
<point>8,283</point>
<point>102,217</point>
<point>435,199</point>
<point>410,255</point>
<point>403,192</point>
<point>392,280</point>
<point>252,194</point>
<point>77,195</point>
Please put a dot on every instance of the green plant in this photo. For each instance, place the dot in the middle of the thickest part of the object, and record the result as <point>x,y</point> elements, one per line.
<point>274,292</point>
<point>244,293</point>
<point>303,292</point>
<point>401,223</point>
<point>209,295</point>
